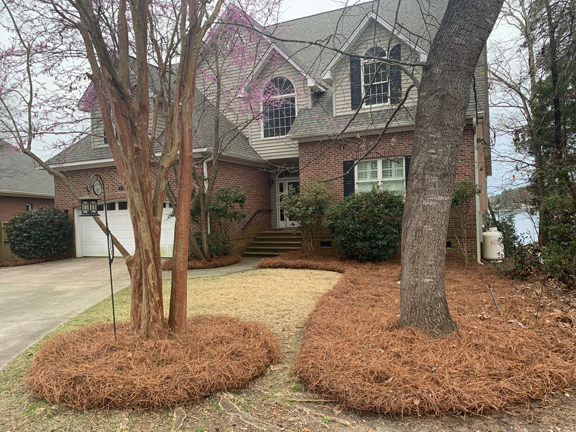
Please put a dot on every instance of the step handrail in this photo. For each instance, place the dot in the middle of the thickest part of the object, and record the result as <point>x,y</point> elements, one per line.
<point>254,215</point>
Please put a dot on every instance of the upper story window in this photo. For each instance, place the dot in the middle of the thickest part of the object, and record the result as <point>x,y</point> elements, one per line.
<point>375,78</point>
<point>386,173</point>
<point>280,107</point>
<point>374,82</point>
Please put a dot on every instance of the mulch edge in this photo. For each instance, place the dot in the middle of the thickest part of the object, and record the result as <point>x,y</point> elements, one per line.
<point>194,264</point>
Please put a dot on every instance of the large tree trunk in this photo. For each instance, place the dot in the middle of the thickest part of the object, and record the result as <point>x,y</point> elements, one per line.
<point>442,100</point>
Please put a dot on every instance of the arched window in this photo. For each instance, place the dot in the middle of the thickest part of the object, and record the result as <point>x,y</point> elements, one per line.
<point>279,107</point>
<point>375,72</point>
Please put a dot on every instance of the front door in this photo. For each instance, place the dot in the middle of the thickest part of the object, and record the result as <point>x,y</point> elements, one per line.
<point>283,186</point>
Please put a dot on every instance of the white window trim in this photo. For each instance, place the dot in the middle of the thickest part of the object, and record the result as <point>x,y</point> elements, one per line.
<point>380,181</point>
<point>365,104</point>
<point>294,95</point>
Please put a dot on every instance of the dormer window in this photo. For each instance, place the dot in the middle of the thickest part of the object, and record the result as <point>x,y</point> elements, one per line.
<point>375,82</point>
<point>279,107</point>
<point>375,78</point>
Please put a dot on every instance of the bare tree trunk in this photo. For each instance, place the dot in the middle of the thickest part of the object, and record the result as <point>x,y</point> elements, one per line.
<point>179,290</point>
<point>442,101</point>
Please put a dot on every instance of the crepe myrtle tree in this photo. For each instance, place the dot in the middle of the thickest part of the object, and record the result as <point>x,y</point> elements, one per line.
<point>117,43</point>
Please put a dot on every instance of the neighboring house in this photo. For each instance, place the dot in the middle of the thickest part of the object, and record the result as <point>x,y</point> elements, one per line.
<point>321,112</point>
<point>23,187</point>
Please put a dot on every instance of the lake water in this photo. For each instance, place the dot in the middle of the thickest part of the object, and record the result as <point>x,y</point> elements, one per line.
<point>525,226</point>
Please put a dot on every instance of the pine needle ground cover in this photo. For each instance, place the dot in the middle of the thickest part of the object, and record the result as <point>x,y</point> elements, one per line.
<point>87,368</point>
<point>354,353</point>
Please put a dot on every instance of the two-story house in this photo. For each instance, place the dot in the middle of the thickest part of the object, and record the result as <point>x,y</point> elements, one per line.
<point>317,111</point>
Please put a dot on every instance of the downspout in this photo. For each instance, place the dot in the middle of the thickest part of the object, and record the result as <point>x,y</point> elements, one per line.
<point>205,172</point>
<point>476,181</point>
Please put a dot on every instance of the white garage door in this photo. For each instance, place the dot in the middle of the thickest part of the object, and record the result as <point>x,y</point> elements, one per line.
<point>91,240</point>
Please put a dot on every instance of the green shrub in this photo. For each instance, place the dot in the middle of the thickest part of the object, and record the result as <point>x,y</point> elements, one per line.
<point>227,204</point>
<point>307,206</point>
<point>367,225</point>
<point>218,242</point>
<point>559,254</point>
<point>39,233</point>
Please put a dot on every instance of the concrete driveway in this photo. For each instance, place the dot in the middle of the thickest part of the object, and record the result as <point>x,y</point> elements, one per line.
<point>37,298</point>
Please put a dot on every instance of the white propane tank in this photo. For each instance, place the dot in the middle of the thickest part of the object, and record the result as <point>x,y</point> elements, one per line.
<point>492,247</point>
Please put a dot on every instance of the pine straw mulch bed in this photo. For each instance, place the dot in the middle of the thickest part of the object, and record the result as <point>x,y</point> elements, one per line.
<point>87,368</point>
<point>354,353</point>
<point>196,264</point>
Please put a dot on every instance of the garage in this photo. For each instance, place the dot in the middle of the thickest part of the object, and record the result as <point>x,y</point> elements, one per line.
<point>91,241</point>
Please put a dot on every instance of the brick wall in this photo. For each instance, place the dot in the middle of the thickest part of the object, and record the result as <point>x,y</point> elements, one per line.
<point>10,206</point>
<point>322,160</point>
<point>250,179</point>
<point>63,198</point>
<point>254,181</point>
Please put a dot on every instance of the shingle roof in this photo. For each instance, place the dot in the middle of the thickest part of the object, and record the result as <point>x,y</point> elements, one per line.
<point>19,173</point>
<point>320,120</point>
<point>417,22</point>
<point>234,142</point>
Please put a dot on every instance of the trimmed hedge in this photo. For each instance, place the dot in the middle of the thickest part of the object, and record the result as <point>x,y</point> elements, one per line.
<point>39,233</point>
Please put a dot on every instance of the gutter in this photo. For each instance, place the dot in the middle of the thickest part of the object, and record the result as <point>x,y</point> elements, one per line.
<point>26,194</point>
<point>477,198</point>
<point>98,163</point>
<point>205,173</point>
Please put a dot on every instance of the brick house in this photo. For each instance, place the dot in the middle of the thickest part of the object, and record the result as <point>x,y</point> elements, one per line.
<point>23,187</point>
<point>324,112</point>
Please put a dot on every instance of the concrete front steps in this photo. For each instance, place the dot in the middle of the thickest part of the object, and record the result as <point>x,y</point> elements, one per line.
<point>273,243</point>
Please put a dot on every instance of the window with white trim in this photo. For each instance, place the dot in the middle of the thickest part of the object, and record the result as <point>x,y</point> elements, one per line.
<point>386,173</point>
<point>375,72</point>
<point>280,107</point>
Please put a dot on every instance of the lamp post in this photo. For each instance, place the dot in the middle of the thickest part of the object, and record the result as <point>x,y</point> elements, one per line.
<point>89,207</point>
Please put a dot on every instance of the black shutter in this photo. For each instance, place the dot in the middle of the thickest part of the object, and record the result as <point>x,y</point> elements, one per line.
<point>407,167</point>
<point>348,178</point>
<point>395,76</point>
<point>355,82</point>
